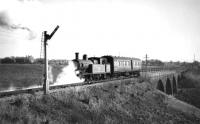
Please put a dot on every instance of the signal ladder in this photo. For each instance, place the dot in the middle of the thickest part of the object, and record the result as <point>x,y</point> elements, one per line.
<point>42,47</point>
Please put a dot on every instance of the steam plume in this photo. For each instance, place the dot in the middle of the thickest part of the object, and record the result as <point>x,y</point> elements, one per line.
<point>68,75</point>
<point>32,35</point>
<point>6,23</point>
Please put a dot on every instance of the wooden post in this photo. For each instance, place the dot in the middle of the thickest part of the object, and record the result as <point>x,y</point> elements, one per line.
<point>46,81</point>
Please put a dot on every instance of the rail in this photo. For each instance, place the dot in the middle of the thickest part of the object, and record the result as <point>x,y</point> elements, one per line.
<point>40,88</point>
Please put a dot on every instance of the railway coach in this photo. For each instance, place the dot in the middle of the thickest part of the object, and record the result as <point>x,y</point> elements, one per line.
<point>124,66</point>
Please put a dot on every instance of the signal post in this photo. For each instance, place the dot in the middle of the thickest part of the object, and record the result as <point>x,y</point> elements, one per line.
<point>46,38</point>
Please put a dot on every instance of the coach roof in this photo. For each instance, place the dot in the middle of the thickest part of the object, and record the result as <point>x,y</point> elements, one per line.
<point>122,58</point>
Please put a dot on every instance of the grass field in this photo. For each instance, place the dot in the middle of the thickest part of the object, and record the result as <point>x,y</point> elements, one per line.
<point>23,75</point>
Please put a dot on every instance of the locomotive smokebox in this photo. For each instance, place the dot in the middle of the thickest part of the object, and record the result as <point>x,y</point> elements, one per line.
<point>76,55</point>
<point>85,57</point>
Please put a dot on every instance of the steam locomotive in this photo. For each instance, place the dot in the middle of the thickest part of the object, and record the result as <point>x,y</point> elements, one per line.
<point>98,68</point>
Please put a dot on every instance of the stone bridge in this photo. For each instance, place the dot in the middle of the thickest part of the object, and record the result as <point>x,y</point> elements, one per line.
<point>165,81</point>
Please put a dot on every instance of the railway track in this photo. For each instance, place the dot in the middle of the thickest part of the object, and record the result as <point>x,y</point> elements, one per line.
<point>37,89</point>
<point>53,87</point>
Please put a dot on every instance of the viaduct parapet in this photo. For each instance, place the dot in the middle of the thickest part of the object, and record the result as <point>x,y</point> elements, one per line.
<point>165,81</point>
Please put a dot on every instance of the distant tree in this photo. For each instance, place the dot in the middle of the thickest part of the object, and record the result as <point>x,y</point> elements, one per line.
<point>30,59</point>
<point>7,60</point>
<point>39,61</point>
<point>155,62</point>
<point>17,60</point>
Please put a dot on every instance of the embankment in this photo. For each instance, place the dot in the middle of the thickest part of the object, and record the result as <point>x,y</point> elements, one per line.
<point>117,102</point>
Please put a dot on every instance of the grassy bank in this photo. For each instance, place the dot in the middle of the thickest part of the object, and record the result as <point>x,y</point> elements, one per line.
<point>189,87</point>
<point>113,103</point>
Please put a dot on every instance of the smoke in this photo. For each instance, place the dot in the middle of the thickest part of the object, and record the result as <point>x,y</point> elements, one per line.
<point>68,75</point>
<point>32,34</point>
<point>4,21</point>
<point>7,23</point>
<point>50,74</point>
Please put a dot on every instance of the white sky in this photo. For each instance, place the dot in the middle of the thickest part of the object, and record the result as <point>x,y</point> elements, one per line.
<point>164,29</point>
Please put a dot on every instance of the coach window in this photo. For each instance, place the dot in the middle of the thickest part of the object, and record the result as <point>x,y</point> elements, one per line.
<point>115,63</point>
<point>103,61</point>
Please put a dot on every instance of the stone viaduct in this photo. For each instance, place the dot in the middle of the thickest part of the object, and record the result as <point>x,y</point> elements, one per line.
<point>165,81</point>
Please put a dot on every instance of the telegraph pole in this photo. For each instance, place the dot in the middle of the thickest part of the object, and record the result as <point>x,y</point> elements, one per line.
<point>146,57</point>
<point>46,81</point>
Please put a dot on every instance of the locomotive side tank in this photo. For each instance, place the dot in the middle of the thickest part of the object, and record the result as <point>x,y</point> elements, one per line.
<point>98,66</point>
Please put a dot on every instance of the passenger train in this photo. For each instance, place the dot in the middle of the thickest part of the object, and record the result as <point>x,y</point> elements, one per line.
<point>98,68</point>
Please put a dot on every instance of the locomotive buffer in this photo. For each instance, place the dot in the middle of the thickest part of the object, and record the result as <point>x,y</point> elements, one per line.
<point>46,38</point>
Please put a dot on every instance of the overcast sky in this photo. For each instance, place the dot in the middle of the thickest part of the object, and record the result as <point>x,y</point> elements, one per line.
<point>164,29</point>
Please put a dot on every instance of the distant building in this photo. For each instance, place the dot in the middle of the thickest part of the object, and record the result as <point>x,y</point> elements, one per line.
<point>58,62</point>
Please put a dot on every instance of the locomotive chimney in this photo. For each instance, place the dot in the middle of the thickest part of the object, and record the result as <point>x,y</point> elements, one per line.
<point>85,57</point>
<point>76,55</point>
